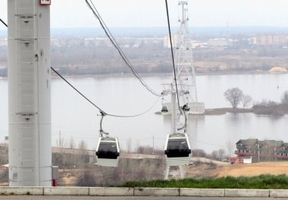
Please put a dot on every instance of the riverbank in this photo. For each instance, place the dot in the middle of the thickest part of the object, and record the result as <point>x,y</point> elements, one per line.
<point>275,111</point>
<point>222,111</point>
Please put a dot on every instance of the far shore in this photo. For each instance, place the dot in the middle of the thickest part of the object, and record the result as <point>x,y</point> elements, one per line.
<point>202,73</point>
<point>269,111</point>
<point>205,73</point>
<point>221,111</point>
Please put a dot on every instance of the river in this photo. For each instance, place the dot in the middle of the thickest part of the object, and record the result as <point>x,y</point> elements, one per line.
<point>75,119</point>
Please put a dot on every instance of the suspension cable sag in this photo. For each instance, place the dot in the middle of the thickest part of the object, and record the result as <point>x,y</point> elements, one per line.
<point>118,48</point>
<point>101,110</point>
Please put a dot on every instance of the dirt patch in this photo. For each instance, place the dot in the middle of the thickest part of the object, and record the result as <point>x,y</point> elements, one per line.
<point>200,169</point>
<point>68,178</point>
<point>255,169</point>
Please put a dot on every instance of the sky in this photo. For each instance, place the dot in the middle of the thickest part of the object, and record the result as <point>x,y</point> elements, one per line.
<point>152,13</point>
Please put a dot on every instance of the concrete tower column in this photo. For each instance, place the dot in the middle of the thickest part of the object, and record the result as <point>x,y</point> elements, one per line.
<point>29,88</point>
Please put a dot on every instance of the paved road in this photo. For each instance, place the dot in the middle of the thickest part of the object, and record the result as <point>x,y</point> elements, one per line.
<point>121,198</point>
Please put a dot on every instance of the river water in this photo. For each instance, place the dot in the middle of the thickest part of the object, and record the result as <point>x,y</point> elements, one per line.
<point>75,118</point>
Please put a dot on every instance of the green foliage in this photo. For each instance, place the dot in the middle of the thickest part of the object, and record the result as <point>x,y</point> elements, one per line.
<point>255,182</point>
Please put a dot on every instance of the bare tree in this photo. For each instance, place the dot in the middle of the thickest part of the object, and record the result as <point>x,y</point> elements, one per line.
<point>129,145</point>
<point>72,144</point>
<point>246,100</point>
<point>60,142</point>
<point>199,153</point>
<point>59,158</point>
<point>230,148</point>
<point>83,157</point>
<point>218,154</point>
<point>82,145</point>
<point>284,99</point>
<point>87,178</point>
<point>234,96</point>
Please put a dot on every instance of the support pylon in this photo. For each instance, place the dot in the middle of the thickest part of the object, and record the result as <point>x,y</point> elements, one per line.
<point>185,65</point>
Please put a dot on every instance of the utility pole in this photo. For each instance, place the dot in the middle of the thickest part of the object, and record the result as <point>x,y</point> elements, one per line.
<point>29,88</point>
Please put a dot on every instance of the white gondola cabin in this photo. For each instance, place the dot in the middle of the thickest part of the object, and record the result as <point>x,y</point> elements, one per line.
<point>108,152</point>
<point>177,149</point>
<point>164,110</point>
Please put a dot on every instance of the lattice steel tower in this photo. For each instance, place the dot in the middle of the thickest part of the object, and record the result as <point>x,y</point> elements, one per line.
<point>184,62</point>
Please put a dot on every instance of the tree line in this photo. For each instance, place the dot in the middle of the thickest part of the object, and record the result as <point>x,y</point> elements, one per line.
<point>235,97</point>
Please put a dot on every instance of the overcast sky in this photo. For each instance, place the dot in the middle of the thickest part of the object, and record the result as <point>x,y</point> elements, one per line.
<point>152,13</point>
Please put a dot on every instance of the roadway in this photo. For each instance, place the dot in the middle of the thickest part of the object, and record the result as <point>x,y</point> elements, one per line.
<point>123,198</point>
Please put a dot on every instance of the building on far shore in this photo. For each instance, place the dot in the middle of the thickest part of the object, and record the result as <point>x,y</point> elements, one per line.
<point>261,150</point>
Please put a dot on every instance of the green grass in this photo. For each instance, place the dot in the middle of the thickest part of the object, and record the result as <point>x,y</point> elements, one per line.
<point>256,182</point>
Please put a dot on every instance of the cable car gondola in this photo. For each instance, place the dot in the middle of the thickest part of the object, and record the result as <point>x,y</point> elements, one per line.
<point>108,152</point>
<point>164,110</point>
<point>177,149</point>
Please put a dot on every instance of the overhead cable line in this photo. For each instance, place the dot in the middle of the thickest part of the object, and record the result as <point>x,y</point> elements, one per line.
<point>174,69</point>
<point>115,44</point>
<point>3,22</point>
<point>172,54</point>
<point>101,110</point>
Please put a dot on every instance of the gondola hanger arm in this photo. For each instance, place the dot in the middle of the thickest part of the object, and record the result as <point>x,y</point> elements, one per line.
<point>103,114</point>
